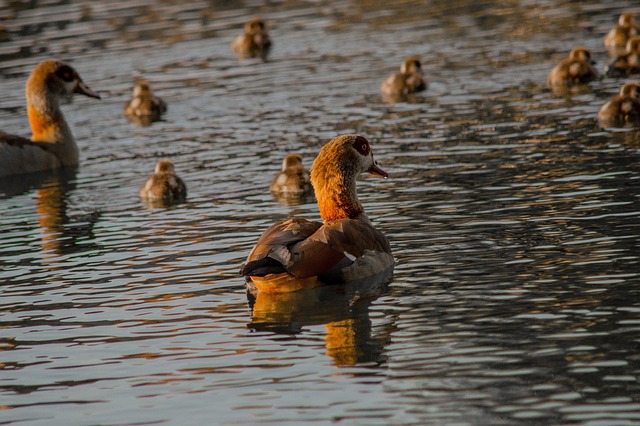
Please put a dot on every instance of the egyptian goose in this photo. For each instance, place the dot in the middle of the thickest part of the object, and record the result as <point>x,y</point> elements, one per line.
<point>164,186</point>
<point>293,179</point>
<point>297,253</point>
<point>628,62</point>
<point>408,80</point>
<point>622,108</point>
<point>616,39</point>
<point>576,69</point>
<point>144,107</point>
<point>51,145</point>
<point>254,42</point>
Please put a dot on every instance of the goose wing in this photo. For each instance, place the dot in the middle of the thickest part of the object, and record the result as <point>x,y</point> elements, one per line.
<point>306,249</point>
<point>22,155</point>
<point>336,244</point>
<point>271,253</point>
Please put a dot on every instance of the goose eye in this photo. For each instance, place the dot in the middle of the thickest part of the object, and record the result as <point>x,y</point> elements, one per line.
<point>361,145</point>
<point>65,73</point>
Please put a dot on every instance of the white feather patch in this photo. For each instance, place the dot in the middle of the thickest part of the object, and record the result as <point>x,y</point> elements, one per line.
<point>281,254</point>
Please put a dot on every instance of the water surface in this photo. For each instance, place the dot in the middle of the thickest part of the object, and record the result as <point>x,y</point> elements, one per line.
<point>513,216</point>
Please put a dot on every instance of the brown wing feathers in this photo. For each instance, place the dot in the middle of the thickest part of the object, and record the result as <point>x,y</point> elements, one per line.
<point>305,249</point>
<point>267,257</point>
<point>19,141</point>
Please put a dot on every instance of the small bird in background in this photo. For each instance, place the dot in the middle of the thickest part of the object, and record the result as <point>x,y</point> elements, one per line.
<point>144,107</point>
<point>616,39</point>
<point>293,179</point>
<point>408,80</point>
<point>628,62</point>
<point>254,42</point>
<point>574,70</point>
<point>622,108</point>
<point>164,187</point>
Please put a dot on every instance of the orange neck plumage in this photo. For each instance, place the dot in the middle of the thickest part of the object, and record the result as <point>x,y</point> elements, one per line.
<point>43,127</point>
<point>337,198</point>
<point>330,210</point>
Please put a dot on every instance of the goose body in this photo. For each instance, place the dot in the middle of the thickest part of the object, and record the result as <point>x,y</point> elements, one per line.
<point>345,247</point>
<point>52,144</point>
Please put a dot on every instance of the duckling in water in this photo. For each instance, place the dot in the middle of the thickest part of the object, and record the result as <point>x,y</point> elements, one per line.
<point>144,107</point>
<point>616,39</point>
<point>254,42</point>
<point>52,144</point>
<point>297,253</point>
<point>293,179</point>
<point>628,62</point>
<point>575,70</point>
<point>408,80</point>
<point>622,108</point>
<point>164,187</point>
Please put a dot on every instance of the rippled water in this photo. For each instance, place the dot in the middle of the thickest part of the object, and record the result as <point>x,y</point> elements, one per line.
<point>513,216</point>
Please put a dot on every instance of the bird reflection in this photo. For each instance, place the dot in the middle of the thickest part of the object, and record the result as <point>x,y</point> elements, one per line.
<point>411,98</point>
<point>59,232</point>
<point>343,309</point>
<point>564,91</point>
<point>293,199</point>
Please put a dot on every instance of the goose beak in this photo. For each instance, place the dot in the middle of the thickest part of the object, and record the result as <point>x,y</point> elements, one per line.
<point>83,89</point>
<point>377,171</point>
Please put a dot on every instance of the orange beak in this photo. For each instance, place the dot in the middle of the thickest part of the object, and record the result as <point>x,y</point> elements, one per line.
<point>377,171</point>
<point>83,89</point>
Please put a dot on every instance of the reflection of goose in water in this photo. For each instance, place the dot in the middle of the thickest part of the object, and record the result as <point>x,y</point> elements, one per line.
<point>344,310</point>
<point>60,233</point>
